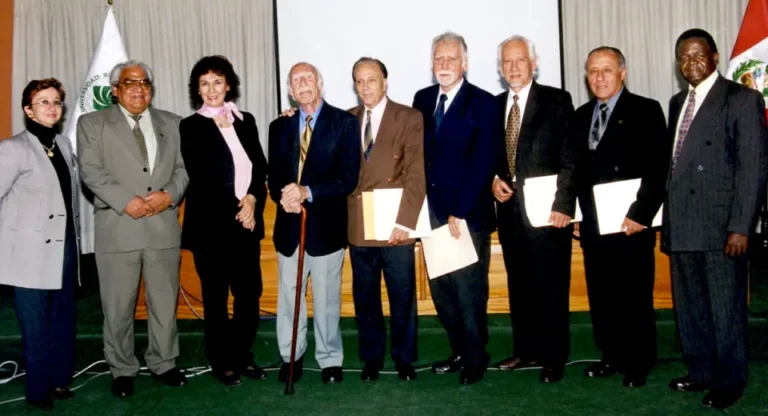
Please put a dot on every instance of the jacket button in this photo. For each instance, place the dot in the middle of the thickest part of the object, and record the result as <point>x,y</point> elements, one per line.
<point>149,189</point>
<point>389,179</point>
<point>701,168</point>
<point>50,217</point>
<point>359,196</point>
<point>47,241</point>
<point>145,169</point>
<point>693,191</point>
<point>615,168</point>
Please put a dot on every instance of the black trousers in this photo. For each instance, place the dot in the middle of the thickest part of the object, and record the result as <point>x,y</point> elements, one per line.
<point>620,277</point>
<point>47,323</point>
<point>538,263</point>
<point>461,301</point>
<point>397,264</point>
<point>230,264</point>
<point>709,290</point>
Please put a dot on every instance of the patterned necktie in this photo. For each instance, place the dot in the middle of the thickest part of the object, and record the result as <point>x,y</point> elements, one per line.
<point>599,127</point>
<point>139,135</point>
<point>512,134</point>
<point>304,145</point>
<point>368,143</point>
<point>684,126</point>
<point>440,111</point>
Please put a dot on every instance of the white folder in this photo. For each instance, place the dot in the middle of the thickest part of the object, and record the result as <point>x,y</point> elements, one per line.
<point>445,254</point>
<point>386,205</point>
<point>612,202</point>
<point>539,195</point>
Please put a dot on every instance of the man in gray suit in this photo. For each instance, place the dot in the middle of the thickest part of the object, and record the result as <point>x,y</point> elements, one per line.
<point>130,159</point>
<point>716,182</point>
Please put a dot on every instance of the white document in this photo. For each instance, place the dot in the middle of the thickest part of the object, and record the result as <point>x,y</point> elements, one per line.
<point>386,205</point>
<point>539,196</point>
<point>612,202</point>
<point>444,254</point>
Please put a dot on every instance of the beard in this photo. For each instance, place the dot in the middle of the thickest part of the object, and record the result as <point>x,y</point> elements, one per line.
<point>446,81</point>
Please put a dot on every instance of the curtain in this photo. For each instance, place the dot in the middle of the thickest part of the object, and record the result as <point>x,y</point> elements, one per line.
<point>645,31</point>
<point>57,38</point>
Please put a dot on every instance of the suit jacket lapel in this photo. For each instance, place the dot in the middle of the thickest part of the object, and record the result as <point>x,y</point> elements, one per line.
<point>122,130</point>
<point>429,122</point>
<point>458,106</point>
<point>295,138</point>
<point>159,125</point>
<point>65,150</point>
<point>616,118</point>
<point>530,110</point>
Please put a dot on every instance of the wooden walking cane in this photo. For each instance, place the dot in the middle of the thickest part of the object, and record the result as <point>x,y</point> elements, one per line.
<point>297,302</point>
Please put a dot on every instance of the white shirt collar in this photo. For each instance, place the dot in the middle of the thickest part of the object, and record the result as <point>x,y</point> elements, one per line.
<point>451,94</point>
<point>704,86</point>
<point>522,95</point>
<point>378,110</point>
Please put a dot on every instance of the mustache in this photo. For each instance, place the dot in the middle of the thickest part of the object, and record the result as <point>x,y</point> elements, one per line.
<point>441,73</point>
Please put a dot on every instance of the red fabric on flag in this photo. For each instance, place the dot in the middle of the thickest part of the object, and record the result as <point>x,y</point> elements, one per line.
<point>754,27</point>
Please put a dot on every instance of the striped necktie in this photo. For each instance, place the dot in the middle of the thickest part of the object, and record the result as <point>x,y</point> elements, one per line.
<point>306,136</point>
<point>685,125</point>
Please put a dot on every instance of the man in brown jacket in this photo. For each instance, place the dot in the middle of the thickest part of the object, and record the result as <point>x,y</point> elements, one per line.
<point>393,157</point>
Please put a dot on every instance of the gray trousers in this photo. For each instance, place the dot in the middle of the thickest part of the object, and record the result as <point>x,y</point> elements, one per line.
<point>119,276</point>
<point>325,272</point>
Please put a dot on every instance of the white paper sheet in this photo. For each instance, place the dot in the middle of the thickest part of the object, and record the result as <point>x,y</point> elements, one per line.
<point>444,254</point>
<point>539,196</point>
<point>612,202</point>
<point>386,205</point>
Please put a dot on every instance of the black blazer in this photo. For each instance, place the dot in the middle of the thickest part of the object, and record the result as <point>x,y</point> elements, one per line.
<point>211,204</point>
<point>718,182</point>
<point>459,156</point>
<point>635,144</point>
<point>331,172</point>
<point>542,147</point>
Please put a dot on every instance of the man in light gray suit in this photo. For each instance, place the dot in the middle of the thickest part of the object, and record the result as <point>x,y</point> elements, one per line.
<point>130,159</point>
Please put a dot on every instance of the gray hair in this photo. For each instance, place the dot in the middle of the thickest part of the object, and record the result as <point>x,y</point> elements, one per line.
<point>314,68</point>
<point>114,74</point>
<point>452,37</point>
<point>516,38</point>
<point>610,49</point>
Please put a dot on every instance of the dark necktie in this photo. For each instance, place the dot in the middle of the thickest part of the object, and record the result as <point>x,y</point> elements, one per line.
<point>368,140</point>
<point>440,112</point>
<point>512,134</point>
<point>139,135</point>
<point>599,127</point>
<point>685,125</point>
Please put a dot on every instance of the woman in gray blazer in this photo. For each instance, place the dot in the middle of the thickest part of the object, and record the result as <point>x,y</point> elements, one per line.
<point>39,191</point>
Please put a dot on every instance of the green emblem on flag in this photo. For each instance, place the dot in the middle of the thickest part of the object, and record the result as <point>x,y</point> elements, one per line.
<point>752,73</point>
<point>102,97</point>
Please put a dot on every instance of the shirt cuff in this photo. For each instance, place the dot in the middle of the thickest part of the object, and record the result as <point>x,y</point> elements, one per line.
<point>309,198</point>
<point>404,228</point>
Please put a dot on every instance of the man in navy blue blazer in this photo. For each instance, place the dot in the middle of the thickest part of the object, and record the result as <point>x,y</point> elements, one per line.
<point>459,127</point>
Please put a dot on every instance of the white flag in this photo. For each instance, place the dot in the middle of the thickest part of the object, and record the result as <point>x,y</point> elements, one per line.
<point>95,94</point>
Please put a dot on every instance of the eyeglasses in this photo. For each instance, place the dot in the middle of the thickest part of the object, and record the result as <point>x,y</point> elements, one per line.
<point>136,83</point>
<point>46,103</point>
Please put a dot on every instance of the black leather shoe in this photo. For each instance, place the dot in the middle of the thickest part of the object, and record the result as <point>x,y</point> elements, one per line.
<point>634,380</point>
<point>516,363</point>
<point>686,384</point>
<point>253,372</point>
<point>229,380</point>
<point>62,394</point>
<point>122,387</point>
<point>719,399</point>
<point>172,377</point>
<point>450,365</point>
<point>471,375</point>
<point>599,370</point>
<point>370,371</point>
<point>46,404</point>
<point>405,372</point>
<point>298,371</point>
<point>552,374</point>
<point>332,375</point>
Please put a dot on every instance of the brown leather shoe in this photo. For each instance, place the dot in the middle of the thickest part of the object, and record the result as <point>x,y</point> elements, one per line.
<point>516,363</point>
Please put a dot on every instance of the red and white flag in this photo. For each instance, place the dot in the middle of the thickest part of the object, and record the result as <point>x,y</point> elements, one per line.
<point>749,60</point>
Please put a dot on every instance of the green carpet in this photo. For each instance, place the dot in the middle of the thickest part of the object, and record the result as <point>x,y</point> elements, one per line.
<point>499,393</point>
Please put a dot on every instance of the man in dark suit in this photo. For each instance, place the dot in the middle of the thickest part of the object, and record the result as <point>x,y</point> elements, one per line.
<point>314,161</point>
<point>538,260</point>
<point>458,153</point>
<point>716,182</point>
<point>620,136</point>
<point>393,157</point>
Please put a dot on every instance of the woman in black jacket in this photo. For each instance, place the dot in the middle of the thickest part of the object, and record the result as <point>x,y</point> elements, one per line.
<point>223,215</point>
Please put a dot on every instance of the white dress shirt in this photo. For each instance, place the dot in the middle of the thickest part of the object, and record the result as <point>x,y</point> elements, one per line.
<point>701,93</point>
<point>377,113</point>
<point>451,95</point>
<point>145,124</point>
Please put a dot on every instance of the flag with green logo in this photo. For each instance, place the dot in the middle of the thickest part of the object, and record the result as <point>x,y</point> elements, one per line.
<point>95,94</point>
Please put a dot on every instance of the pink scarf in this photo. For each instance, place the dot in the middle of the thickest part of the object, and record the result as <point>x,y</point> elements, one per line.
<point>228,110</point>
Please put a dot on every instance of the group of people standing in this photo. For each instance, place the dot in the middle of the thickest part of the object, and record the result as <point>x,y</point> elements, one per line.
<point>464,150</point>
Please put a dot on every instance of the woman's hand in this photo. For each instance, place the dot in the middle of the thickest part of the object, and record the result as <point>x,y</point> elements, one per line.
<point>247,207</point>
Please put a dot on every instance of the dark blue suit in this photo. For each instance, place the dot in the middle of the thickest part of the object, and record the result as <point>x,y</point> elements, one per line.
<point>459,170</point>
<point>331,173</point>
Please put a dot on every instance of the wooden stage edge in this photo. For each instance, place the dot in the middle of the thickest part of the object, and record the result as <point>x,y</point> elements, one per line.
<point>498,296</point>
